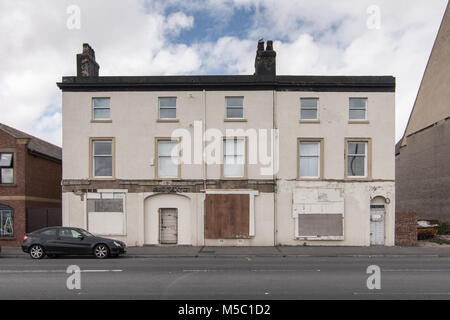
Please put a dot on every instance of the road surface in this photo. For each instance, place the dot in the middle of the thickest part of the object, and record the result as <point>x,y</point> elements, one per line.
<point>225,278</point>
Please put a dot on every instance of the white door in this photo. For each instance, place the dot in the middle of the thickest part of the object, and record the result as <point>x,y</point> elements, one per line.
<point>168,226</point>
<point>377,222</point>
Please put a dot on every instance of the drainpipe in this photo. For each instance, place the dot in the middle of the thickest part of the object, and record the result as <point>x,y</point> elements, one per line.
<point>275,165</point>
<point>205,167</point>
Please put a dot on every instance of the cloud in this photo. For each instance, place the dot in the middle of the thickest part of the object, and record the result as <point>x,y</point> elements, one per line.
<point>140,37</point>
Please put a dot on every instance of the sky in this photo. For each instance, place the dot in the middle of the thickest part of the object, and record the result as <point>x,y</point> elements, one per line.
<point>40,40</point>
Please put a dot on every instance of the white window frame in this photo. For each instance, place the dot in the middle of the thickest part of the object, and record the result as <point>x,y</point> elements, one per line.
<point>234,107</point>
<point>365,108</point>
<point>159,108</point>
<point>102,108</point>
<point>177,143</point>
<point>309,108</point>
<point>318,156</point>
<point>107,194</point>
<point>93,141</point>
<point>10,167</point>
<point>366,155</point>
<point>244,164</point>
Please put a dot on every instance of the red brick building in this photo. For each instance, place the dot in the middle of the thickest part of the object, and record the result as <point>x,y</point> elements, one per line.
<point>30,185</point>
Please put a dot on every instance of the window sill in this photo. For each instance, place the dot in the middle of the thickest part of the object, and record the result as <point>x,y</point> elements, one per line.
<point>167,120</point>
<point>234,120</point>
<point>309,121</point>
<point>101,121</point>
<point>102,179</point>
<point>7,238</point>
<point>5,185</point>
<point>358,121</point>
<point>365,179</point>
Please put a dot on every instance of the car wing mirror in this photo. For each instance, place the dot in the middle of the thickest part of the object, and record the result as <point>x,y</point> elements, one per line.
<point>81,237</point>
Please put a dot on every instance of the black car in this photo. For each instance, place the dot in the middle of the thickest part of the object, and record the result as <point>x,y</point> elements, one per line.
<point>69,241</point>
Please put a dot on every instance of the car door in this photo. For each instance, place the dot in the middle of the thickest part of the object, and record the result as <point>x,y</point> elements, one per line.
<point>48,238</point>
<point>69,241</point>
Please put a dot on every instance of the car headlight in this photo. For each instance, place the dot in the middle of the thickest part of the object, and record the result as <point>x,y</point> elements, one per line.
<point>117,244</point>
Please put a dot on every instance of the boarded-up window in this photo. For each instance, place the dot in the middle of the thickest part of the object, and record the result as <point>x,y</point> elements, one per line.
<point>320,225</point>
<point>227,216</point>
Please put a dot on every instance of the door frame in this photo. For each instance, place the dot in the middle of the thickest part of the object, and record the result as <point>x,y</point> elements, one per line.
<point>379,205</point>
<point>160,212</point>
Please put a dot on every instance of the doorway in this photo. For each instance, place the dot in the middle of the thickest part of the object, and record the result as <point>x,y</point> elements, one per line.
<point>168,226</point>
<point>377,224</point>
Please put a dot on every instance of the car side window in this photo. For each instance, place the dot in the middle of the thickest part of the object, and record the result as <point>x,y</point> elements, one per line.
<point>49,233</point>
<point>69,233</point>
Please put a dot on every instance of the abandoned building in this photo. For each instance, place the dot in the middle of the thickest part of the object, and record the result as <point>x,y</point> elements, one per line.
<point>30,185</point>
<point>329,180</point>
<point>422,155</point>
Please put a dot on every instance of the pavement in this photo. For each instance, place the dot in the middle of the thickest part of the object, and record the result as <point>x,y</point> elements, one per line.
<point>281,251</point>
<point>236,278</point>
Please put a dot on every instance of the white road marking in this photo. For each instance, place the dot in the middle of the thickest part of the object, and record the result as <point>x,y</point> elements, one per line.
<point>253,270</point>
<point>55,271</point>
<point>401,293</point>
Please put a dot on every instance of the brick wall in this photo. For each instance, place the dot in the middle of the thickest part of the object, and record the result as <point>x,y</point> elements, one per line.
<point>406,229</point>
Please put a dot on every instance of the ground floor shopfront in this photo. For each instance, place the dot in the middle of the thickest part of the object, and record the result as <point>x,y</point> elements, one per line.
<point>250,213</point>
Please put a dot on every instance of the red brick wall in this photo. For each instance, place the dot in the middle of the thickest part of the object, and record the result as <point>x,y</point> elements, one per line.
<point>34,177</point>
<point>406,229</point>
<point>43,178</point>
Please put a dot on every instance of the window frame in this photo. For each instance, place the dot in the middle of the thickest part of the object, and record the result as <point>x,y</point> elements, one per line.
<point>93,119</point>
<point>234,107</point>
<point>177,141</point>
<point>107,194</point>
<point>92,158</point>
<point>368,158</point>
<point>6,208</point>
<point>321,157</point>
<point>317,119</point>
<point>222,173</point>
<point>12,166</point>
<point>176,109</point>
<point>365,110</point>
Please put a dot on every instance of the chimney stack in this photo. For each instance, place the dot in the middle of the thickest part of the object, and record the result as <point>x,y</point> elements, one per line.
<point>265,62</point>
<point>86,64</point>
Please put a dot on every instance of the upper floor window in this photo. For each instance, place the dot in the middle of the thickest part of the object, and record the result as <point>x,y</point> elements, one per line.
<point>358,109</point>
<point>357,155</point>
<point>235,107</point>
<point>167,108</point>
<point>101,109</point>
<point>6,168</point>
<point>168,165</point>
<point>102,158</point>
<point>309,109</point>
<point>310,159</point>
<point>234,158</point>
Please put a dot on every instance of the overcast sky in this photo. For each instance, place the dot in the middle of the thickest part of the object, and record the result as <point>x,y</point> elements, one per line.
<point>137,37</point>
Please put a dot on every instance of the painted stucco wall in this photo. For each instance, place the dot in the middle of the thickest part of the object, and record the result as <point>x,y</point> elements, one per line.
<point>134,126</point>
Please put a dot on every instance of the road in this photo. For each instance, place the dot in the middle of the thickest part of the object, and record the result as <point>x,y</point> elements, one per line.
<point>225,278</point>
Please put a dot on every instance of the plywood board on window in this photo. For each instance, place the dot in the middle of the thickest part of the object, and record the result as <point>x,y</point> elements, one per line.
<point>227,216</point>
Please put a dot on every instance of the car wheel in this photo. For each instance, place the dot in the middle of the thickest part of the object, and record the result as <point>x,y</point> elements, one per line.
<point>101,251</point>
<point>37,252</point>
